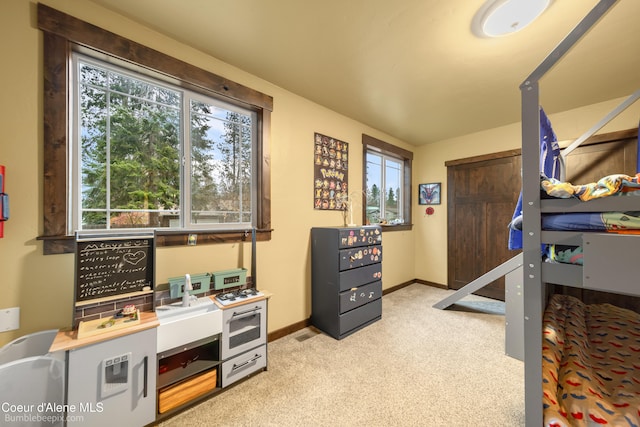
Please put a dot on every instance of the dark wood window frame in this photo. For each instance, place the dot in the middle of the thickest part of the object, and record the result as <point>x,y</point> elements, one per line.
<point>62,34</point>
<point>370,143</point>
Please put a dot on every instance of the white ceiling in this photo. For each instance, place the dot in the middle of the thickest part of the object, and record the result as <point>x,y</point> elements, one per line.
<point>410,68</point>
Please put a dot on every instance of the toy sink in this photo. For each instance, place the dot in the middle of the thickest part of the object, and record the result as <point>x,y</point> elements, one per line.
<point>182,325</point>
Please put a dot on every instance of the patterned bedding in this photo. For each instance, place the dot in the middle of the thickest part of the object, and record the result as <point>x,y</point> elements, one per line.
<point>608,222</point>
<point>565,254</point>
<point>610,185</point>
<point>590,364</point>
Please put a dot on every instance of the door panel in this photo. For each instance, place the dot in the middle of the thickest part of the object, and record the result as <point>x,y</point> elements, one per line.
<point>469,245</point>
<point>481,200</point>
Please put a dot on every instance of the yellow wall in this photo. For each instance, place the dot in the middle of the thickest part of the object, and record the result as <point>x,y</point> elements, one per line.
<point>42,286</point>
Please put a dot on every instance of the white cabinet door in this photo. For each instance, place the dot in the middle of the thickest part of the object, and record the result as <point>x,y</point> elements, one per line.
<point>113,382</point>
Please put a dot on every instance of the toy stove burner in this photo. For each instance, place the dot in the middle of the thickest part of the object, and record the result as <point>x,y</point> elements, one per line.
<point>238,295</point>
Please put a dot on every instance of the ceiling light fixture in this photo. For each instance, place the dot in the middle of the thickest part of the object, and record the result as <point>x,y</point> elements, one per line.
<point>498,18</point>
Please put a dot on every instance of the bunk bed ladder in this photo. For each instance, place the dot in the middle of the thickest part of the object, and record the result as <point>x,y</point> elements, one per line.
<point>533,287</point>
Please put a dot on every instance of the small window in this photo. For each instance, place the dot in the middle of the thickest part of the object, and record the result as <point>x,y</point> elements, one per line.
<point>384,189</point>
<point>387,183</point>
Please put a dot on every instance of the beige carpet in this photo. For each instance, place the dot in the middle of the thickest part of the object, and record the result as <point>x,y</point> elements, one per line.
<point>417,366</point>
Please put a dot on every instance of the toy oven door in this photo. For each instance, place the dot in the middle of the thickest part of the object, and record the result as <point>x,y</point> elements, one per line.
<point>244,328</point>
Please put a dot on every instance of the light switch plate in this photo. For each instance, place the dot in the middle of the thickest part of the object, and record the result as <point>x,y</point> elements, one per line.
<point>9,319</point>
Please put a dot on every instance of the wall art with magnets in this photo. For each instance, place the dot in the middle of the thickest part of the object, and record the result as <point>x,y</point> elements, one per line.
<point>331,160</point>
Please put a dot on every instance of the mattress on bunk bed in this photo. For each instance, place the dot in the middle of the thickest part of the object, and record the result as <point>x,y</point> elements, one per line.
<point>604,222</point>
<point>590,364</point>
<point>610,222</point>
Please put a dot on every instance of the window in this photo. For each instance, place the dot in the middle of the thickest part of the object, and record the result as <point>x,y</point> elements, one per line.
<point>384,189</point>
<point>225,115</point>
<point>152,155</point>
<point>387,183</point>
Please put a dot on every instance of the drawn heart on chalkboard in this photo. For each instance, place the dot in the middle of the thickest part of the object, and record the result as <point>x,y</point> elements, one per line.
<point>134,258</point>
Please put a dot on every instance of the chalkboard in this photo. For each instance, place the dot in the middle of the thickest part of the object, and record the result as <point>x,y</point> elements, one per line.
<point>112,266</point>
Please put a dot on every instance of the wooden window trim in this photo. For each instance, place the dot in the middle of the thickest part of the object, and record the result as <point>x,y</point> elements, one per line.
<point>61,34</point>
<point>369,142</point>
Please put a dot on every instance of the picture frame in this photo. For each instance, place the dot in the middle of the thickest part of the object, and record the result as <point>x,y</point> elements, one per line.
<point>429,194</point>
<point>331,161</point>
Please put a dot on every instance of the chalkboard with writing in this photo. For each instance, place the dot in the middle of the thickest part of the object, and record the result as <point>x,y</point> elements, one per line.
<point>113,266</point>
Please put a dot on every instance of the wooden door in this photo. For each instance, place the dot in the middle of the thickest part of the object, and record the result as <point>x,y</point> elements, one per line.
<point>482,194</point>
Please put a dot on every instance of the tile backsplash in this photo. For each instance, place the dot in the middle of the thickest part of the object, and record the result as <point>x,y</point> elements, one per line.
<point>104,309</point>
<point>99,310</point>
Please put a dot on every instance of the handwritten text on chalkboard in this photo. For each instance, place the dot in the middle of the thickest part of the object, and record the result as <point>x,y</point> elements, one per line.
<point>113,267</point>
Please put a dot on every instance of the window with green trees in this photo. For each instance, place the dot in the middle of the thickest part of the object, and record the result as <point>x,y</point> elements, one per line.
<point>384,184</point>
<point>222,102</point>
<point>151,155</point>
<point>387,184</point>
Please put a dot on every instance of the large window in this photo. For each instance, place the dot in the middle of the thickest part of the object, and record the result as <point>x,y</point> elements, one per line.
<point>156,143</point>
<point>152,155</point>
<point>387,183</point>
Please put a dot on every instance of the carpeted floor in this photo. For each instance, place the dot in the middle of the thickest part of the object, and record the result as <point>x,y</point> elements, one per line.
<point>417,366</point>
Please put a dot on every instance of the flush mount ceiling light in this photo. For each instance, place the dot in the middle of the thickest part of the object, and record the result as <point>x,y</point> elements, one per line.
<point>498,18</point>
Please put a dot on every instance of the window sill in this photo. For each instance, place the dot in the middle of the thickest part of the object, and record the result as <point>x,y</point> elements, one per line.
<point>398,227</point>
<point>53,245</point>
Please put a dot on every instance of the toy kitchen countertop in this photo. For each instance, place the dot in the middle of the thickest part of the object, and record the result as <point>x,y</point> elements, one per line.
<point>224,300</point>
<point>68,339</point>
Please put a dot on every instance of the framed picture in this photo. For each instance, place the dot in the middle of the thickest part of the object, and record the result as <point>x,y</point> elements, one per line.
<point>331,160</point>
<point>429,194</point>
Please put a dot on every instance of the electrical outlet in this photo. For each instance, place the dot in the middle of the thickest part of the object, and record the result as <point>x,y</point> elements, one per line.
<point>9,319</point>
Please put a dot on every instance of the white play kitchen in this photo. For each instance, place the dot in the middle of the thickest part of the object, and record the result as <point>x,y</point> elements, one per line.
<point>137,355</point>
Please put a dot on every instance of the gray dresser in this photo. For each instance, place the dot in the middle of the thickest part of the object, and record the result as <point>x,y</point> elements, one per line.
<point>346,278</point>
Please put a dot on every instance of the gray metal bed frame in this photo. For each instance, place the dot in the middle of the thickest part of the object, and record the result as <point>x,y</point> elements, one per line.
<point>616,276</point>
<point>536,273</point>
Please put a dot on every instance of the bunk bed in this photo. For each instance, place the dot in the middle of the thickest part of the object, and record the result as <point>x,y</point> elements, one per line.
<point>620,222</point>
<point>566,379</point>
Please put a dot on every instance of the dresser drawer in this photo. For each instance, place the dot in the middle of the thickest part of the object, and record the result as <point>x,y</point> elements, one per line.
<point>358,257</point>
<point>240,366</point>
<point>359,296</point>
<point>360,276</point>
<point>362,236</point>
<point>355,318</point>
